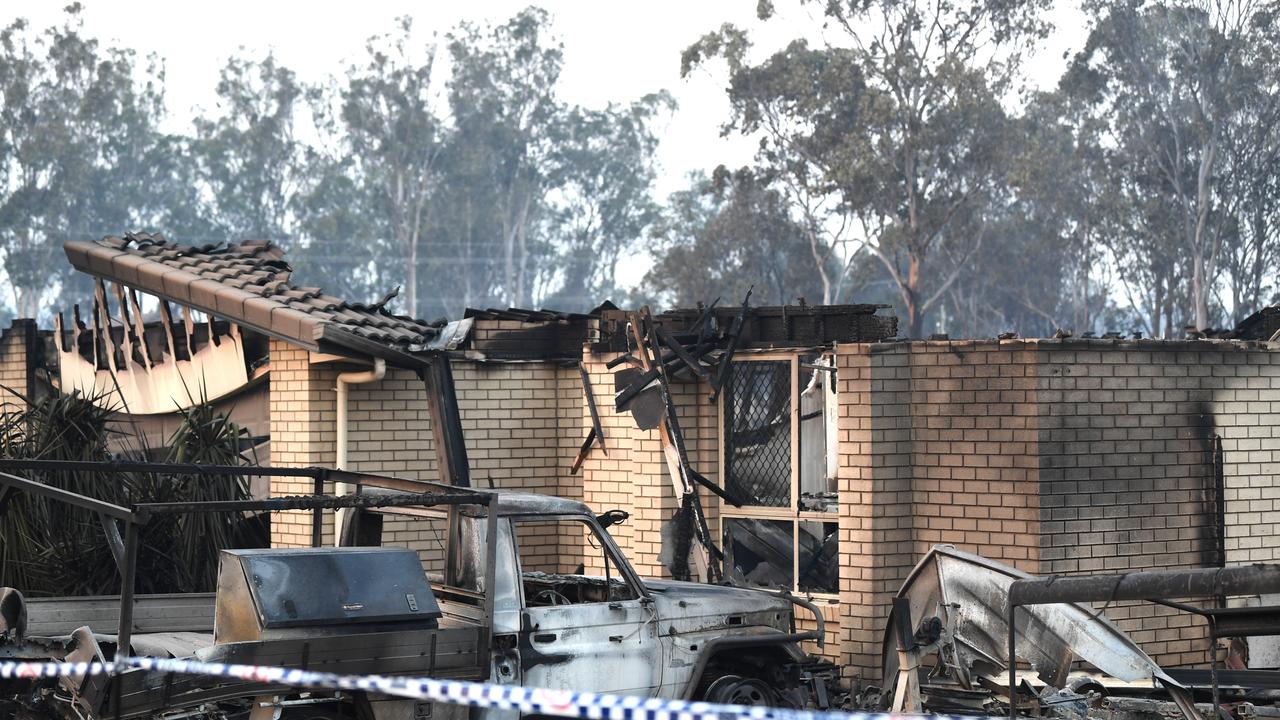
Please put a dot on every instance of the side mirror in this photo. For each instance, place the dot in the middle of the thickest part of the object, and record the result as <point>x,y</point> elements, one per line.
<point>612,517</point>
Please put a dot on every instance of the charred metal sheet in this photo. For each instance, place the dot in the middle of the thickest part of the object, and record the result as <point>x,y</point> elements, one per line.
<point>645,405</point>
<point>970,594</point>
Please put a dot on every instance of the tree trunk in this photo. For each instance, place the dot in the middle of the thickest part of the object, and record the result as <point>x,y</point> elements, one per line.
<point>1199,291</point>
<point>915,318</point>
<point>28,302</point>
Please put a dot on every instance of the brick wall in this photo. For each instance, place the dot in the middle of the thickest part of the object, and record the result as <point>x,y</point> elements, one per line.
<point>633,476</point>
<point>1068,456</point>
<point>14,365</point>
<point>303,434</point>
<point>1127,467</point>
<point>936,444</point>
<point>1053,456</point>
<point>520,421</point>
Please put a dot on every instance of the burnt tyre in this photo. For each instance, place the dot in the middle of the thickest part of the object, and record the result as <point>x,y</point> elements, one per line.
<point>739,690</point>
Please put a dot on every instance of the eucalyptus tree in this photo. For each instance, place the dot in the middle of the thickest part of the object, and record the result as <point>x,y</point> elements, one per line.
<point>726,234</point>
<point>1251,168</point>
<point>899,123</point>
<point>248,153</point>
<point>502,102</point>
<point>603,169</point>
<point>1171,81</point>
<point>394,138</point>
<point>79,144</point>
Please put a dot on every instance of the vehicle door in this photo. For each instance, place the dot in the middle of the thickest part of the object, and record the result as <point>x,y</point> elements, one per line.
<point>588,627</point>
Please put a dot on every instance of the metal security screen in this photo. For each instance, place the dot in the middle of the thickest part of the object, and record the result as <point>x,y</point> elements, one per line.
<point>758,432</point>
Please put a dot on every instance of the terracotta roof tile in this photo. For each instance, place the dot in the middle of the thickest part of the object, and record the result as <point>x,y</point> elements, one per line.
<point>247,283</point>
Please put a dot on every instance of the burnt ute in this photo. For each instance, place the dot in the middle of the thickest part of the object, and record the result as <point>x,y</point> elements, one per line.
<point>478,605</point>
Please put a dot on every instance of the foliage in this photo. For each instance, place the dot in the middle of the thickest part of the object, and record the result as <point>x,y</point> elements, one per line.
<point>1184,94</point>
<point>900,159</point>
<point>727,234</point>
<point>896,138</point>
<point>78,134</point>
<point>52,548</point>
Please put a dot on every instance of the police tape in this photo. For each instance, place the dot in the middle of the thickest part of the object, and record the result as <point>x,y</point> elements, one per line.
<point>561,703</point>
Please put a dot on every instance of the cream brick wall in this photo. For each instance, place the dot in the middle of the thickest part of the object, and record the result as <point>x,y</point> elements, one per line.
<point>520,421</point>
<point>303,434</point>
<point>1070,456</point>
<point>1127,466</point>
<point>634,474</point>
<point>14,363</point>
<point>937,444</point>
<point>1054,456</point>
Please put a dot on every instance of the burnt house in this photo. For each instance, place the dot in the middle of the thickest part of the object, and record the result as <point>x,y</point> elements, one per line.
<point>797,447</point>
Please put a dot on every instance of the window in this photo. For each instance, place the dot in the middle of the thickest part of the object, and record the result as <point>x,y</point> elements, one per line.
<point>778,459</point>
<point>550,579</point>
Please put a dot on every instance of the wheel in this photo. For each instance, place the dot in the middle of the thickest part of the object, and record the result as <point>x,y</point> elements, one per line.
<point>738,690</point>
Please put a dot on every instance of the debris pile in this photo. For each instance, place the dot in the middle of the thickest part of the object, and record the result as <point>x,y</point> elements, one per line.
<point>959,618</point>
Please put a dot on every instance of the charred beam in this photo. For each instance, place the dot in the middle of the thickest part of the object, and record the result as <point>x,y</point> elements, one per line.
<point>1204,582</point>
<point>726,361</point>
<point>591,406</point>
<point>683,355</point>
<point>582,452</point>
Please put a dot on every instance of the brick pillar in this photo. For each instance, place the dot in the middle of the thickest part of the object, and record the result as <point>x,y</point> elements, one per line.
<point>15,365</point>
<point>303,434</point>
<point>875,474</point>
<point>859,639</point>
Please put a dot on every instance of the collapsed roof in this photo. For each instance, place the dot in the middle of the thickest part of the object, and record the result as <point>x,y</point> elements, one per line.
<point>250,284</point>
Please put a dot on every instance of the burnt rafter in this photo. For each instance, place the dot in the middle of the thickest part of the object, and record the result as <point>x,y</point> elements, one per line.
<point>766,327</point>
<point>250,284</point>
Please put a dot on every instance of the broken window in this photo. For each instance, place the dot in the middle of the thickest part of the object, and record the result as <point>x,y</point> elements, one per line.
<point>778,459</point>
<point>757,455</point>
<point>545,574</point>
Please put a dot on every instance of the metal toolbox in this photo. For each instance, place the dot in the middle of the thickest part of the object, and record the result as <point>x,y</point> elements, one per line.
<point>278,593</point>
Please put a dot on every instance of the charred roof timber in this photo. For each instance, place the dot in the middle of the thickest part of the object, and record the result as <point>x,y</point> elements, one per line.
<point>776,326</point>
<point>1263,325</point>
<point>250,284</point>
<point>516,334</point>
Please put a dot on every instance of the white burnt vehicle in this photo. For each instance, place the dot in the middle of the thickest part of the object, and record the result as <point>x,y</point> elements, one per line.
<point>434,581</point>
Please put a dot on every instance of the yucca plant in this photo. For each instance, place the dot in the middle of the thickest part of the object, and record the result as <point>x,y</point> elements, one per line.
<point>206,438</point>
<point>51,548</point>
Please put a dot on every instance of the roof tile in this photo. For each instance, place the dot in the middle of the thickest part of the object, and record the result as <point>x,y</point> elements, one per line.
<point>248,283</point>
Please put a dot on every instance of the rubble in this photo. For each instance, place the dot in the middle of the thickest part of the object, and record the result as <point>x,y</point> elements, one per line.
<point>959,608</point>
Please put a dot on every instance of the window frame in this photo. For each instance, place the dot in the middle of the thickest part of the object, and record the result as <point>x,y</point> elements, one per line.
<point>610,550</point>
<point>794,514</point>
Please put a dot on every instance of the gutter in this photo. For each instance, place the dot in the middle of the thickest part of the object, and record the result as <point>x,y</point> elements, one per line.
<point>345,380</point>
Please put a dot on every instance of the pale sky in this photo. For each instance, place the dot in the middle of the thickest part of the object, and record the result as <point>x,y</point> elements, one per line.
<point>614,51</point>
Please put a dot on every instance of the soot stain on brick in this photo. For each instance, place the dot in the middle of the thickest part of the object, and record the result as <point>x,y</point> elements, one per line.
<point>1211,540</point>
